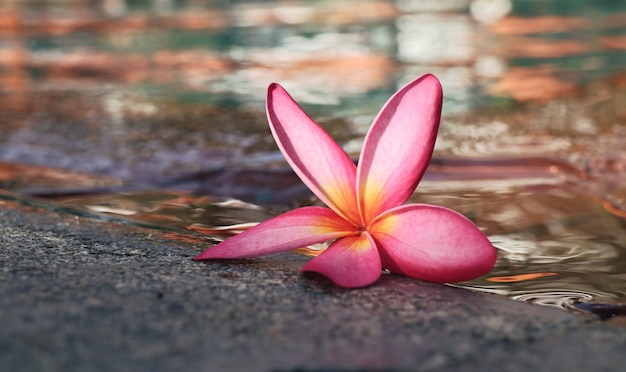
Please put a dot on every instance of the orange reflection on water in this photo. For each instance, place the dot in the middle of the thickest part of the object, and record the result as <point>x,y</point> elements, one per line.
<point>531,84</point>
<point>615,42</point>
<point>537,48</point>
<point>358,72</point>
<point>611,208</point>
<point>538,24</point>
<point>323,13</point>
<point>163,67</point>
<point>519,278</point>
<point>86,20</point>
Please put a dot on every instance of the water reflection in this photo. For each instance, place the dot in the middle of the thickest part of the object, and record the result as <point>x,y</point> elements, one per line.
<point>556,247</point>
<point>176,210</point>
<point>327,52</point>
<point>141,110</point>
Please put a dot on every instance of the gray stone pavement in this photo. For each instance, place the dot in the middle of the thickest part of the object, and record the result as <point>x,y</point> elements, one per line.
<point>81,294</point>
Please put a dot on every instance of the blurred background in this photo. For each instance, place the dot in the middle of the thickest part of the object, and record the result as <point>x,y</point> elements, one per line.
<point>153,111</point>
<point>116,67</point>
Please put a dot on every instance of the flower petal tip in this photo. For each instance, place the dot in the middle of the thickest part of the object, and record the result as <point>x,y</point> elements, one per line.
<point>312,153</point>
<point>206,255</point>
<point>449,248</point>
<point>350,262</point>
<point>349,284</point>
<point>294,229</point>
<point>398,146</point>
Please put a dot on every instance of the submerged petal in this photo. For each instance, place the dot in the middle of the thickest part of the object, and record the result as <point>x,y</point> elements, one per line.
<point>398,147</point>
<point>294,229</point>
<point>350,262</point>
<point>432,243</point>
<point>315,157</point>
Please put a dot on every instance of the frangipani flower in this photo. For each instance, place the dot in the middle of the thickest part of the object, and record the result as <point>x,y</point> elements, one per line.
<point>366,220</point>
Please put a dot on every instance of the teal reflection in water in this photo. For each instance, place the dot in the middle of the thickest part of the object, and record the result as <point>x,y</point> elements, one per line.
<point>328,53</point>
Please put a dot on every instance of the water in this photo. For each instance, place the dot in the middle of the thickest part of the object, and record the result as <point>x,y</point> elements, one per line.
<point>152,112</point>
<point>557,245</point>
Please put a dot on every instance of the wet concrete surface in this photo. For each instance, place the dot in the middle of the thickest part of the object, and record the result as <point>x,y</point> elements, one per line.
<point>80,294</point>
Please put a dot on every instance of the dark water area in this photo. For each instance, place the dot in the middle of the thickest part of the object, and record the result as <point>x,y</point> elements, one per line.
<point>152,112</point>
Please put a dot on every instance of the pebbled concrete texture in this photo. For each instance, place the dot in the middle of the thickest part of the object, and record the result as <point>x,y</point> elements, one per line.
<point>78,293</point>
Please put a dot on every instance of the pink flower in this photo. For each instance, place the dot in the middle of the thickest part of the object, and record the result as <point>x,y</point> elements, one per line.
<point>370,227</point>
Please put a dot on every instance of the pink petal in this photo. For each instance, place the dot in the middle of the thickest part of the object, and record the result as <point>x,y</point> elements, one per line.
<point>398,146</point>
<point>350,262</point>
<point>432,243</point>
<point>315,157</point>
<point>294,229</point>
